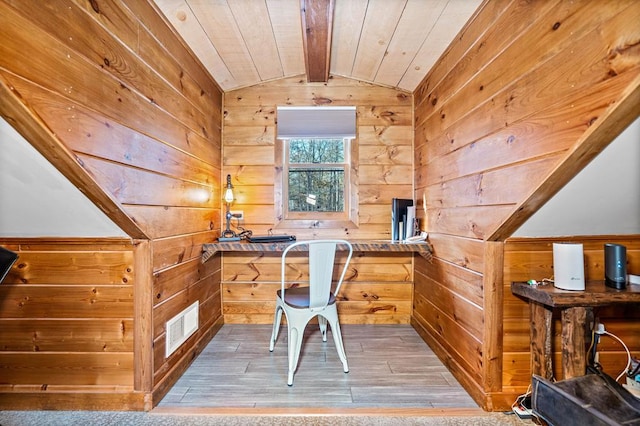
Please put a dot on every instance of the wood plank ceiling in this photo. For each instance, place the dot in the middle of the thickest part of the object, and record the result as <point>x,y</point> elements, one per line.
<point>391,43</point>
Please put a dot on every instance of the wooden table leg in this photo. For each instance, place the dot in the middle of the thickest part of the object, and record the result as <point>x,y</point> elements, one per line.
<point>574,357</point>
<point>541,356</point>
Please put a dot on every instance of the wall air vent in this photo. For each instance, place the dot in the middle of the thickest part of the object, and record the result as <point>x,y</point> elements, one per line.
<point>181,327</point>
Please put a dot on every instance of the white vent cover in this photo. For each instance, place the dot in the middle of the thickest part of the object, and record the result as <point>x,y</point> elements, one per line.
<point>181,327</point>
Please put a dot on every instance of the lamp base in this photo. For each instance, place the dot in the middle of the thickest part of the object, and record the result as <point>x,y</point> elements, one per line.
<point>226,239</point>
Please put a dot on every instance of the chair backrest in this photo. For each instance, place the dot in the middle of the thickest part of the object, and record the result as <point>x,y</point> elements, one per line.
<point>321,255</point>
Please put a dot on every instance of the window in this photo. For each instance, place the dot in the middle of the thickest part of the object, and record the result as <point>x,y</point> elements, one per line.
<point>316,159</point>
<point>316,171</point>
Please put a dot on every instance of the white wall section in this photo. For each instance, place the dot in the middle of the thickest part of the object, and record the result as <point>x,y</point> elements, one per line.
<point>36,200</point>
<point>603,199</point>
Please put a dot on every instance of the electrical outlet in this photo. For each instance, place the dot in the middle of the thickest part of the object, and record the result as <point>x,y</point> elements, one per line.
<point>238,214</point>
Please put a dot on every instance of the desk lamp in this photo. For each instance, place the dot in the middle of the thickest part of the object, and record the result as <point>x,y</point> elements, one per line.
<point>228,234</point>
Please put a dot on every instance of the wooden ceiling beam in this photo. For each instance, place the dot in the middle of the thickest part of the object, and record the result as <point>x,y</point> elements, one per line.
<point>317,27</point>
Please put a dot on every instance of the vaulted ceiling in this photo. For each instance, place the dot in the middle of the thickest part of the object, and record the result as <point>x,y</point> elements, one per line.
<point>392,43</point>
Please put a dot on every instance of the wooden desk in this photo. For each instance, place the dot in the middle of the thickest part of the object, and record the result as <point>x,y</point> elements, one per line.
<point>575,307</point>
<point>423,248</point>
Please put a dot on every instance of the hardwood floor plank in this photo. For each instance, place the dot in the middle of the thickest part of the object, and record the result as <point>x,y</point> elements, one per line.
<point>389,366</point>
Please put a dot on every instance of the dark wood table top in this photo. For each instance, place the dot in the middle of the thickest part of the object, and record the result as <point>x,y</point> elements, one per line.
<point>596,293</point>
<point>422,248</point>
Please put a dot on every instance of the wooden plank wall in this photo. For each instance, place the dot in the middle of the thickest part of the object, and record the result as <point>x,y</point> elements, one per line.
<point>448,307</point>
<point>108,93</point>
<point>532,258</point>
<point>524,97</point>
<point>378,289</point>
<point>66,323</point>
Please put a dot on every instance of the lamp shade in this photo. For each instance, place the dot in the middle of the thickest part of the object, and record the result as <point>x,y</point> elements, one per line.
<point>228,193</point>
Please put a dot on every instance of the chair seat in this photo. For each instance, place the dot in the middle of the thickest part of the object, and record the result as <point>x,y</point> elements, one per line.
<point>298,297</point>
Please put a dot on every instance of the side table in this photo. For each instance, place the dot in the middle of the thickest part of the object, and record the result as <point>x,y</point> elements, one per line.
<point>575,307</point>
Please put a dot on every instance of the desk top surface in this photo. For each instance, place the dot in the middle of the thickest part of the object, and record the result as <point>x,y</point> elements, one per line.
<point>422,248</point>
<point>596,293</point>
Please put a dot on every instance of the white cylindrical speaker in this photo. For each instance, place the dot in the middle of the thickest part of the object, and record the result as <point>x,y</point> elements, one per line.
<point>568,266</point>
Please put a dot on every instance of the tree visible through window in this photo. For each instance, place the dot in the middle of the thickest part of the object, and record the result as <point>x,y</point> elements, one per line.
<point>316,171</point>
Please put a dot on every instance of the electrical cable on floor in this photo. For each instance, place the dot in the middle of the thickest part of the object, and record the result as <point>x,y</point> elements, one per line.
<point>520,408</point>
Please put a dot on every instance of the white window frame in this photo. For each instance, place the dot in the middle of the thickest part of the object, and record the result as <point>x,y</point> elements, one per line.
<point>346,219</point>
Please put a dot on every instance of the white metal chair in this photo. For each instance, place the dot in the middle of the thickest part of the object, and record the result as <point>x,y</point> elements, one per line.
<point>301,304</point>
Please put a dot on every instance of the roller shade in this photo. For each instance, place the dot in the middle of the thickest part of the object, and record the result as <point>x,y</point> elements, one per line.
<point>314,122</point>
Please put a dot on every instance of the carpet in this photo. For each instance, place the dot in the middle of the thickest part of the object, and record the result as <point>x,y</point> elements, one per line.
<point>119,418</point>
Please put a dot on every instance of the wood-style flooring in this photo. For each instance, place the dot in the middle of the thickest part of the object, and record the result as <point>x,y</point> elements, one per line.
<point>390,366</point>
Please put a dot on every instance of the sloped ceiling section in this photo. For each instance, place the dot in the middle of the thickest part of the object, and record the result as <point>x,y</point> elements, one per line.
<point>36,200</point>
<point>603,199</point>
<point>389,43</point>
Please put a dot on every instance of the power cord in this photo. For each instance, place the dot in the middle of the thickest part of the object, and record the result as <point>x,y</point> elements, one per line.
<point>600,331</point>
<point>522,405</point>
<point>626,368</point>
<point>244,234</point>
<point>541,282</point>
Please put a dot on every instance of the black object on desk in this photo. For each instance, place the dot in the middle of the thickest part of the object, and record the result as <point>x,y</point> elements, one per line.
<point>271,238</point>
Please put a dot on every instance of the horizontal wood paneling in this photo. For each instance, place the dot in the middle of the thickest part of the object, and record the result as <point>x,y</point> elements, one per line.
<point>66,314</point>
<point>133,120</point>
<point>79,266</point>
<point>112,368</point>
<point>464,252</point>
<point>540,108</point>
<point>458,343</point>
<point>83,301</point>
<point>173,250</point>
<point>66,335</point>
<point>507,116</point>
<point>169,221</point>
<point>200,290</point>
<point>370,292</point>
<point>532,258</point>
<point>384,122</point>
<point>377,287</point>
<point>448,301</point>
<point>364,267</point>
<point>468,315</point>
<point>163,106</point>
<point>353,308</point>
<point>172,50</point>
<point>101,398</point>
<point>171,281</point>
<point>295,91</point>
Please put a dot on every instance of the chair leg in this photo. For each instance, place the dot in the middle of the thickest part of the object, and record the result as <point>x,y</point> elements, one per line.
<point>337,339</point>
<point>322,322</point>
<point>295,344</point>
<point>277,318</point>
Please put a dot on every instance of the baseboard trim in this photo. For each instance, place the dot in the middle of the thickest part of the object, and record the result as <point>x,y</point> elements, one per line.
<point>70,400</point>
